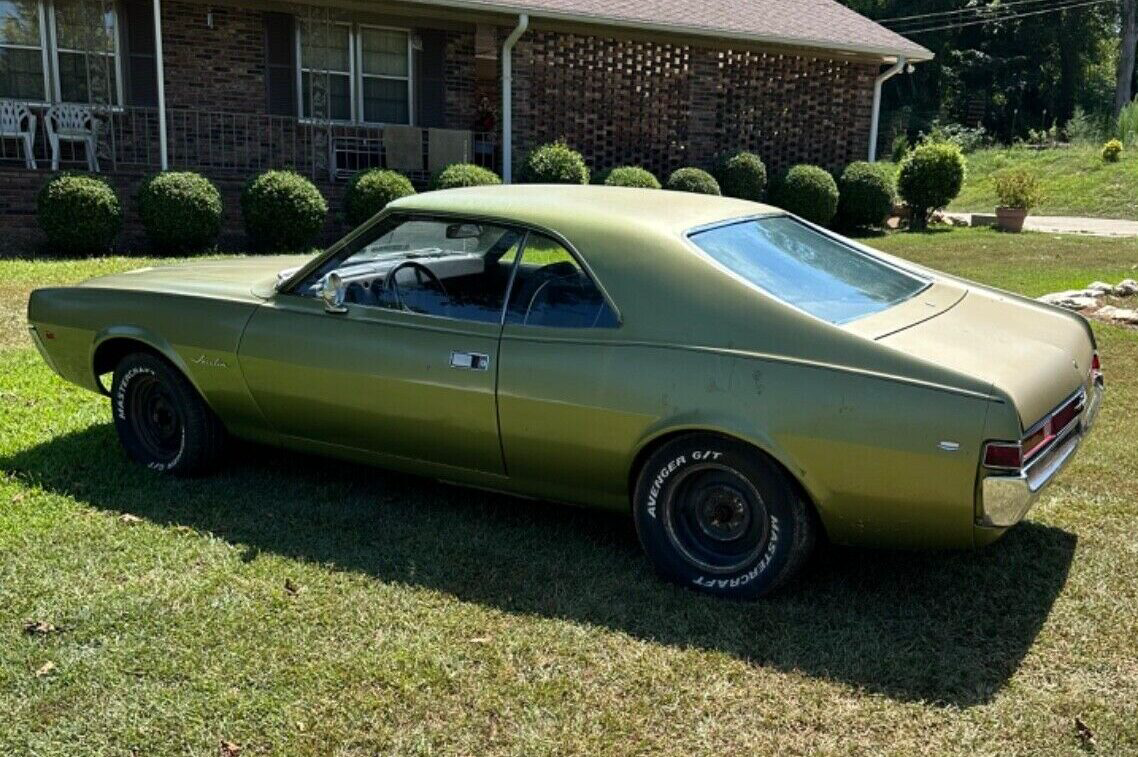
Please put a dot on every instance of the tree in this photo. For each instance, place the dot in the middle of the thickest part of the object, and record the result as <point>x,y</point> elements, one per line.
<point>1128,42</point>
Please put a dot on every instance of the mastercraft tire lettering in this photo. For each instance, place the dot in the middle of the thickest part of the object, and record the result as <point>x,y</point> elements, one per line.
<point>718,516</point>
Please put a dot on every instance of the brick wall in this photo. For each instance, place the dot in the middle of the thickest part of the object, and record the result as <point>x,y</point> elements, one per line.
<point>220,69</point>
<point>663,105</point>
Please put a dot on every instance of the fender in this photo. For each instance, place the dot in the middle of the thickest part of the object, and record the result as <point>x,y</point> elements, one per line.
<point>151,340</point>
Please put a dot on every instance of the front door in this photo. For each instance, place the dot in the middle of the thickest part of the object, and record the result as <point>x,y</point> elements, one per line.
<point>407,367</point>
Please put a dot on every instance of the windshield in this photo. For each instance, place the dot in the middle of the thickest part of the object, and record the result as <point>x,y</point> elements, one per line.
<point>807,269</point>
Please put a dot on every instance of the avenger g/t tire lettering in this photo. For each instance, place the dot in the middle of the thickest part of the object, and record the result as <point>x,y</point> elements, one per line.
<point>721,517</point>
<point>161,420</point>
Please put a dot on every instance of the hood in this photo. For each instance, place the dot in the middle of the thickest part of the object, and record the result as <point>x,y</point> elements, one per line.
<point>1034,354</point>
<point>247,278</point>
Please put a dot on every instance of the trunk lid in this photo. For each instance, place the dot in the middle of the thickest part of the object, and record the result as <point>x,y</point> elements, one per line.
<point>1039,356</point>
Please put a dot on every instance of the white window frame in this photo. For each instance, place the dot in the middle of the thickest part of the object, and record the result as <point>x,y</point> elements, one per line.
<point>301,70</point>
<point>44,58</point>
<point>356,74</point>
<point>116,53</point>
<point>408,78</point>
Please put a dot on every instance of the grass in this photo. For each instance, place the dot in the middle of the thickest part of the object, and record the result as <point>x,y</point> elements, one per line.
<point>1075,181</point>
<point>294,606</point>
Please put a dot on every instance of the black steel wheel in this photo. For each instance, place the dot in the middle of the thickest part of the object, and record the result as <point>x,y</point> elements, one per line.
<point>719,516</point>
<point>161,420</point>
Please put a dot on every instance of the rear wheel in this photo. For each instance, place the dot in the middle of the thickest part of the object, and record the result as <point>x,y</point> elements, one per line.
<point>161,420</point>
<point>719,516</point>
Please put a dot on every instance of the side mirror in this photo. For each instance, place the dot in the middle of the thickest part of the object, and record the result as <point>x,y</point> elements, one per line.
<point>332,292</point>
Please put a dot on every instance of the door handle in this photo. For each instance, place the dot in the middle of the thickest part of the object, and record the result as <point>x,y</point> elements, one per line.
<point>471,361</point>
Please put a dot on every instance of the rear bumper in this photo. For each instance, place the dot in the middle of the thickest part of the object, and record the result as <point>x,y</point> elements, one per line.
<point>1007,498</point>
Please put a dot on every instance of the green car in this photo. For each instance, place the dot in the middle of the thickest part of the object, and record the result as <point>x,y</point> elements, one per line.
<point>740,381</point>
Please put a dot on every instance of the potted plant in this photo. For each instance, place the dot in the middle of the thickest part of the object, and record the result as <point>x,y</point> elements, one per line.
<point>1018,192</point>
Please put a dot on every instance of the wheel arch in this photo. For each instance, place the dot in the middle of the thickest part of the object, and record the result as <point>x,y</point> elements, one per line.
<point>113,344</point>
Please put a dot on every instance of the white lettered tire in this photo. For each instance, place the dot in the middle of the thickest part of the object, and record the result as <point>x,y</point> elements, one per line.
<point>718,516</point>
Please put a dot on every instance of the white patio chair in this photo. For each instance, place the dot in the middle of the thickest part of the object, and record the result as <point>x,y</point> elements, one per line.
<point>17,122</point>
<point>72,123</point>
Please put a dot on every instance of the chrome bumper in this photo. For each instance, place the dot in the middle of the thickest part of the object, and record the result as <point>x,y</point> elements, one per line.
<point>1006,499</point>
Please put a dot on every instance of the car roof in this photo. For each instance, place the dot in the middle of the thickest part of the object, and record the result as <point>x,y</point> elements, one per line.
<point>563,208</point>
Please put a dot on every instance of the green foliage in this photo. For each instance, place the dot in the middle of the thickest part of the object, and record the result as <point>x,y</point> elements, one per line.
<point>866,195</point>
<point>555,163</point>
<point>743,175</point>
<point>967,138</point>
<point>464,175</point>
<point>369,191</point>
<point>180,210</point>
<point>630,176</point>
<point>79,213</point>
<point>810,192</point>
<point>282,210</point>
<point>693,180</point>
<point>930,177</point>
<point>900,147</point>
<point>1082,129</point>
<point>1112,151</point>
<point>1017,188</point>
<point>1127,124</point>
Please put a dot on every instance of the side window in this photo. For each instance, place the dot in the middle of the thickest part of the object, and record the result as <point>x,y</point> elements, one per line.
<point>551,289</point>
<point>440,267</point>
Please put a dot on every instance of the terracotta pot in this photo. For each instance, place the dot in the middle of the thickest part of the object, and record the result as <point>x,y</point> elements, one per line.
<point>1011,219</point>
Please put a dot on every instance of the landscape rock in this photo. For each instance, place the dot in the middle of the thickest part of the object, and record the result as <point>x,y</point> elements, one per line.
<point>1110,312</point>
<point>1126,288</point>
<point>1072,299</point>
<point>1099,288</point>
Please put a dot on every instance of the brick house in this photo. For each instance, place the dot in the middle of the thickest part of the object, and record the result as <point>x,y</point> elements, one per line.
<point>232,87</point>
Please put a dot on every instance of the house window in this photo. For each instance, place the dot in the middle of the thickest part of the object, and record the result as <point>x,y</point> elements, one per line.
<point>22,60</point>
<point>79,38</point>
<point>385,70</point>
<point>85,40</point>
<point>326,71</point>
<point>354,72</point>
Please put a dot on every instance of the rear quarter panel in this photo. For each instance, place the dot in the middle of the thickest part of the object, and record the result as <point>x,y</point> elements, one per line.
<point>198,335</point>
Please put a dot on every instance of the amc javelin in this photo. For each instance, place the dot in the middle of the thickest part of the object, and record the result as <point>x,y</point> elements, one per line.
<point>740,381</point>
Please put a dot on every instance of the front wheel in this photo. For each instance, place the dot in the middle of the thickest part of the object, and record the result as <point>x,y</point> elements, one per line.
<point>161,420</point>
<point>721,517</point>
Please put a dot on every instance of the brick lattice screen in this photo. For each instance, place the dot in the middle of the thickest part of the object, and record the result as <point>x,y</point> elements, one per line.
<point>663,105</point>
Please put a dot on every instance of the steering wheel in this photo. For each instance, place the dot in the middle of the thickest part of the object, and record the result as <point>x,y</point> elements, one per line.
<point>390,285</point>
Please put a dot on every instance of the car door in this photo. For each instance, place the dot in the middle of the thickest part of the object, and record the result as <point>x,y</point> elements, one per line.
<point>408,373</point>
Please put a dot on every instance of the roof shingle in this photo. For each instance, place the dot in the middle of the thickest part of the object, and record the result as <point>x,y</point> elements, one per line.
<point>823,24</point>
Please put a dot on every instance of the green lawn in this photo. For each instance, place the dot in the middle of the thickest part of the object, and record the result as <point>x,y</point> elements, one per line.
<point>292,605</point>
<point>1075,181</point>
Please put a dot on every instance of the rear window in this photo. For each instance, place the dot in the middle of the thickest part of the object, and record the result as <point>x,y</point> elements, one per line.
<point>807,269</point>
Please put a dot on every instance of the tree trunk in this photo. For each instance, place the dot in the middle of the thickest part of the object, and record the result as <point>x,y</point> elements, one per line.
<point>1126,56</point>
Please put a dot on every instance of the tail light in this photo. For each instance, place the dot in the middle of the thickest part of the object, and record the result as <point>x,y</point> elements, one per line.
<point>1096,368</point>
<point>1003,455</point>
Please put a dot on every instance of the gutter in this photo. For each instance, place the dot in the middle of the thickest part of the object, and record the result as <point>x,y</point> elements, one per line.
<point>508,98</point>
<point>875,119</point>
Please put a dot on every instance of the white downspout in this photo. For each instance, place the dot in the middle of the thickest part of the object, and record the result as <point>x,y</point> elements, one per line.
<point>875,120</point>
<point>508,97</point>
<point>164,161</point>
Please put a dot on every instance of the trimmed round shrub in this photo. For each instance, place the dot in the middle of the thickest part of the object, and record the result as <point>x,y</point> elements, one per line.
<point>630,176</point>
<point>555,163</point>
<point>464,175</point>
<point>79,213</point>
<point>369,191</point>
<point>810,192</point>
<point>282,210</point>
<point>693,180</point>
<point>865,195</point>
<point>180,210</point>
<point>1112,151</point>
<point>930,178</point>
<point>742,175</point>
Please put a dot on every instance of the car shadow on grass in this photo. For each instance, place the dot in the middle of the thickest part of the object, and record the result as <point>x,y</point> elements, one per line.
<point>948,627</point>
